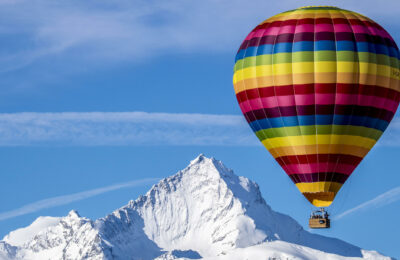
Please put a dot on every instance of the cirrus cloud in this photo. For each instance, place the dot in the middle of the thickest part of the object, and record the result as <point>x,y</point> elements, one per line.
<point>136,128</point>
<point>123,128</point>
<point>97,31</point>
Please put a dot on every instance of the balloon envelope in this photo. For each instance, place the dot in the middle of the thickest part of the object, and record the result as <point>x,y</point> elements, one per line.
<point>318,86</point>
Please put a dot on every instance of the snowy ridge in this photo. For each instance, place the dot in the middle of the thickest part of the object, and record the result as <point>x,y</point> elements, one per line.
<point>21,236</point>
<point>204,211</point>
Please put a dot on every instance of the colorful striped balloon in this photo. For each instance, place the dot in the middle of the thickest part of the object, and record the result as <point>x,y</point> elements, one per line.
<point>318,86</point>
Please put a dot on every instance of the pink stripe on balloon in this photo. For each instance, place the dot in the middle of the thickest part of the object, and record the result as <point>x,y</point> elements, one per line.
<point>302,28</point>
<point>311,99</point>
<point>269,102</point>
<point>379,102</point>
<point>247,106</point>
<point>272,31</point>
<point>379,32</point>
<point>324,98</point>
<point>359,29</point>
<point>318,167</point>
<point>286,101</point>
<point>342,28</point>
<point>385,34</point>
<point>319,99</point>
<point>287,29</point>
<point>370,30</point>
<point>323,28</point>
<point>305,100</point>
<point>347,99</point>
<point>254,34</point>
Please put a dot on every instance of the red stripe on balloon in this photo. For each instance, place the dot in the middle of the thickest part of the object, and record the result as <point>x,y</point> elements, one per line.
<point>319,36</point>
<point>367,90</point>
<point>317,21</point>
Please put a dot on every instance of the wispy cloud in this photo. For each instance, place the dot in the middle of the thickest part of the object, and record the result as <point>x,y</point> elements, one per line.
<point>136,128</point>
<point>130,30</point>
<point>67,199</point>
<point>124,128</point>
<point>384,199</point>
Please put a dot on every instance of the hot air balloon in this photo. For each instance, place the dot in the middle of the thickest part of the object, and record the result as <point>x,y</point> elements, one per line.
<point>318,86</point>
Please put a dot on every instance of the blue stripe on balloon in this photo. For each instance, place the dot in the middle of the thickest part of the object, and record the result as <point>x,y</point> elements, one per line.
<point>318,46</point>
<point>289,121</point>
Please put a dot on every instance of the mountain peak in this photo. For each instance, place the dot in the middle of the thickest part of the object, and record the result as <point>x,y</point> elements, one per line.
<point>73,214</point>
<point>198,159</point>
<point>24,235</point>
<point>204,210</point>
<point>204,199</point>
<point>201,161</point>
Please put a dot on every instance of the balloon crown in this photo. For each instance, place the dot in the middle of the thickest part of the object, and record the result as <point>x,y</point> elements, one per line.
<point>319,6</point>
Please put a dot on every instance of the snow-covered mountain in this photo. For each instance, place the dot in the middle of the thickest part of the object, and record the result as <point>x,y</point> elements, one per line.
<point>204,211</point>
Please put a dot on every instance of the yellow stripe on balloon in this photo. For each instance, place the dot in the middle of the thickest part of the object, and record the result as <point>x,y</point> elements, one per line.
<point>319,139</point>
<point>319,149</point>
<point>322,203</point>
<point>290,69</point>
<point>313,14</point>
<point>318,186</point>
<point>312,78</point>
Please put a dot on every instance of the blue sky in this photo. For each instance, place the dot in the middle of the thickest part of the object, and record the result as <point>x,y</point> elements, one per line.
<point>101,94</point>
